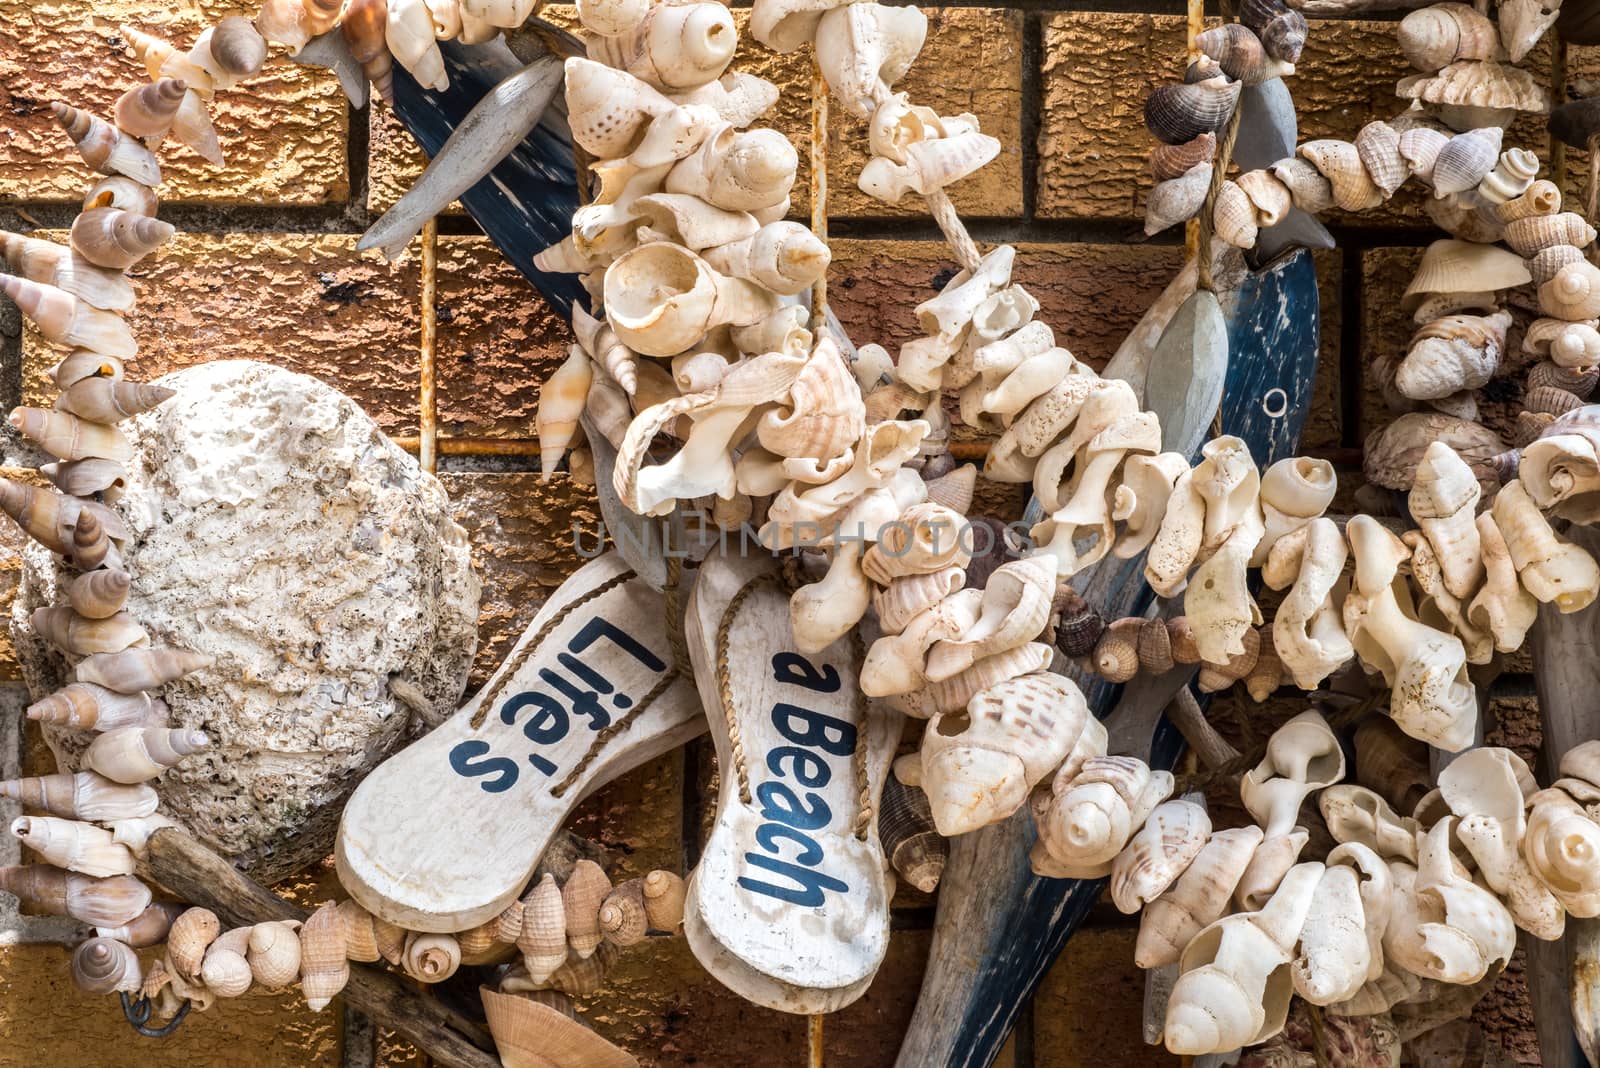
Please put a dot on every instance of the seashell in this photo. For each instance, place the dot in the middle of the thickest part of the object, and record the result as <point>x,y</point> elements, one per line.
<point>581,897</point>
<point>1335,957</point>
<point>1155,647</point>
<point>1443,926</point>
<point>1215,677</point>
<point>98,595</point>
<point>1510,178</point>
<point>66,320</point>
<point>83,706</point>
<point>431,958</point>
<point>1201,895</point>
<point>365,31</point>
<point>1530,427</point>
<point>784,257</point>
<point>1340,163</point>
<point>1420,147</point>
<point>662,298</point>
<point>1086,818</point>
<point>410,37</point>
<point>1015,607</point>
<point>108,400</point>
<point>1561,472</point>
<point>1269,196</point>
<point>1269,864</point>
<point>225,972</point>
<point>1440,34</point>
<point>117,239</point>
<point>1572,347</point>
<point>609,18</point>
<point>1116,652</point>
<point>542,938</point>
<point>1560,846</point>
<point>1282,29</point>
<point>273,953</point>
<point>391,940</point>
<point>1378,146</point>
<point>1392,452</point>
<point>232,49</point>
<point>1177,199</point>
<point>1162,850</point>
<point>1552,570</point>
<point>1307,635</point>
<point>1574,293</point>
<point>148,110</point>
<point>1240,55</point>
<point>82,364</point>
<point>914,846</point>
<point>1302,756</point>
<point>1529,234</point>
<point>109,902</point>
<point>162,60</point>
<point>75,846</point>
<point>529,1033</point>
<point>622,917</point>
<point>1078,627</point>
<point>192,127</point>
<point>479,945</point>
<point>106,966</point>
<point>147,929</point>
<point>324,968</point>
<point>736,171</point>
<point>928,539</point>
<point>1551,400</point>
<point>1466,160</point>
<point>1308,189</point>
<point>41,514</point>
<point>1547,263</point>
<point>105,148</point>
<point>1294,491</point>
<point>561,402</point>
<point>1443,500</point>
<point>1175,114</point>
<point>50,264</point>
<point>1357,814</point>
<point>1523,22</point>
<point>1016,732</point>
<point>90,547</point>
<point>80,636</point>
<point>1174,161</point>
<point>136,754</point>
<point>672,48</point>
<point>1233,988</point>
<point>862,50</point>
<point>664,893</point>
<point>192,933</point>
<point>583,976</point>
<point>137,669</point>
<point>1471,94</point>
<point>1390,763</point>
<point>1233,217</point>
<point>81,796</point>
<point>609,109</point>
<point>1540,198</point>
<point>360,932</point>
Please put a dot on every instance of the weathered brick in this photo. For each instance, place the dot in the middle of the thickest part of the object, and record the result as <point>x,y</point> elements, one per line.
<point>49,1021</point>
<point>12,539</point>
<point>283,131</point>
<point>1090,1008</point>
<point>497,341</point>
<point>393,159</point>
<point>308,303</point>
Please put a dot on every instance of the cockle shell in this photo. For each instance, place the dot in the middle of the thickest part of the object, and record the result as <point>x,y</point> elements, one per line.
<point>1162,850</point>
<point>673,47</point>
<point>56,265</point>
<point>109,902</point>
<point>581,896</point>
<point>67,320</point>
<point>1340,163</point>
<point>1086,819</point>
<point>1574,292</point>
<point>324,968</point>
<point>1378,145</point>
<point>82,796</point>
<point>135,754</point>
<point>1309,190</point>
<point>1015,733</point>
<point>1529,234</point>
<point>117,239</point>
<point>84,706</point>
<point>1471,94</point>
<point>1199,897</point>
<point>105,148</point>
<point>75,846</point>
<point>1174,161</point>
<point>1551,569</point>
<point>1178,113</point>
<point>106,966</point>
<point>1440,34</point>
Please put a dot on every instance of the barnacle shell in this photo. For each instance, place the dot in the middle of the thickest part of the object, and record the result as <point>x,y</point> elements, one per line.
<point>1340,163</point>
<point>1164,847</point>
<point>1470,94</point>
<point>1178,113</point>
<point>1441,34</point>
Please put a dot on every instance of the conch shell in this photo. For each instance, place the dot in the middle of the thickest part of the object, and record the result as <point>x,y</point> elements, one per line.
<point>1201,895</point>
<point>1163,849</point>
<point>1086,819</point>
<point>1444,926</point>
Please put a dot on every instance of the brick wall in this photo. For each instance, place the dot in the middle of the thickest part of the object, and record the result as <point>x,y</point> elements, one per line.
<point>267,269</point>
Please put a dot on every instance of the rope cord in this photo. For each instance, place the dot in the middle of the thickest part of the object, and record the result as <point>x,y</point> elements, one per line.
<point>725,681</point>
<point>1219,174</point>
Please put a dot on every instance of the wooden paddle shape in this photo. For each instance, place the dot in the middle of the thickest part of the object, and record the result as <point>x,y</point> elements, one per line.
<point>1564,976</point>
<point>1000,927</point>
<point>1184,385</point>
<point>789,906</point>
<point>445,834</point>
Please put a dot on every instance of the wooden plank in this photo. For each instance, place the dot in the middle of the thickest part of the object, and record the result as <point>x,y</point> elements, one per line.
<point>197,875</point>
<point>999,927</point>
<point>446,833</point>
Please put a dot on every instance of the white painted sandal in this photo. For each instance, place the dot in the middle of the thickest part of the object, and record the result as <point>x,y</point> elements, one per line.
<point>445,834</point>
<point>789,906</point>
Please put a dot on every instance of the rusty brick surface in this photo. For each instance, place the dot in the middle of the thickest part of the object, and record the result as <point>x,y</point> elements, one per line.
<point>283,131</point>
<point>308,303</point>
<point>1090,1007</point>
<point>393,159</point>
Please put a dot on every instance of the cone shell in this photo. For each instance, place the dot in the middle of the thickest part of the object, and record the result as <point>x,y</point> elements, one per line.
<point>82,796</point>
<point>581,897</point>
<point>191,935</point>
<point>83,706</point>
<point>1440,34</point>
<point>133,670</point>
<point>1466,160</point>
<point>105,148</point>
<point>664,893</point>
<point>1178,113</point>
<point>106,966</point>
<point>1338,161</point>
<point>324,968</point>
<point>117,239</point>
<point>542,937</point>
<point>431,958</point>
<point>148,110</point>
<point>136,754</point>
<point>97,902</point>
<point>274,953</point>
<point>622,916</point>
<point>1174,161</point>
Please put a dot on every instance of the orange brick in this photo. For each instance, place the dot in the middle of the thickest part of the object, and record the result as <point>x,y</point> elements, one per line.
<point>1090,1008</point>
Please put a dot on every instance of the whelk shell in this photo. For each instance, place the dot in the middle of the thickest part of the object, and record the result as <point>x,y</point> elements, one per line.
<point>1178,113</point>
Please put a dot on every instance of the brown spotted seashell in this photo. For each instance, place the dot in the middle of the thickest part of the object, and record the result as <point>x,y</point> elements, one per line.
<point>1078,626</point>
<point>1267,674</point>
<point>1178,113</point>
<point>1552,400</point>
<point>1116,654</point>
<point>1174,161</point>
<point>1528,235</point>
<point>1310,191</point>
<point>1579,381</point>
<point>1378,145</point>
<point>1438,35</point>
<point>1340,163</point>
<point>1282,29</point>
<point>1184,648</point>
<point>1540,198</point>
<point>1544,264</point>
<point>1155,647</point>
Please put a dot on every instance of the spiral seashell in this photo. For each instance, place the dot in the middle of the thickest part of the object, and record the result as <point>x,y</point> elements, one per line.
<point>1178,113</point>
<point>664,894</point>
<point>749,171</point>
<point>50,264</point>
<point>1233,217</point>
<point>225,972</point>
<point>1078,627</point>
<point>90,547</point>
<point>106,966</point>
<point>105,148</point>
<point>1174,161</point>
<point>1530,427</point>
<point>1185,650</point>
<point>1579,381</point>
<point>103,400</point>
<point>1116,654</point>
<point>109,902</point>
<point>1170,839</point>
<point>136,754</point>
<point>1552,400</point>
<point>1466,160</point>
<point>1547,262</point>
<point>147,929</point>
<point>1561,845</point>
<point>1269,197</point>
<point>73,845</point>
<point>1378,145</point>
<point>542,936</point>
<point>1540,198</point>
<point>1282,29</point>
<point>622,916</point>
<point>1510,178</point>
<point>1309,190</point>
<point>479,945</point>
<point>324,968</point>
<point>98,595</point>
<point>81,796</point>
<point>192,933</point>
<point>431,958</point>
<point>365,33</point>
<point>1338,161</point>
<point>1573,294</point>
<point>672,48</point>
<point>41,514</point>
<point>117,239</point>
<point>1215,678</point>
<point>80,635</point>
<point>581,897</point>
<point>1529,235</point>
<point>133,670</point>
<point>67,320</point>
<point>1451,354</point>
<point>84,364</point>
<point>1440,34</point>
<point>1155,647</point>
<point>1576,347</point>
<point>83,706</point>
<point>274,953</point>
<point>1177,199</point>
<point>149,110</point>
<point>1240,54</point>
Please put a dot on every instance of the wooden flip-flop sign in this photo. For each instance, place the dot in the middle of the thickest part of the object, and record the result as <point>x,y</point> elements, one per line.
<point>789,906</point>
<point>445,834</point>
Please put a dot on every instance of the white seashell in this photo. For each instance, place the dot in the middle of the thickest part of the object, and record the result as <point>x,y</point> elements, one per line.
<point>1294,491</point>
<point>610,18</point>
<point>1466,160</point>
<point>1502,607</point>
<point>929,165</point>
<point>1378,146</point>
<point>1444,501</point>
<point>1308,189</point>
<point>1164,847</point>
<point>1306,631</point>
<point>1268,194</point>
<point>609,109</point>
<point>1523,22</point>
<point>1573,294</point>
<point>1511,177</point>
<point>1441,34</point>
<point>1560,846</point>
<point>784,257</point>
<point>1201,895</point>
<point>1015,607</point>
<point>1334,955</point>
<point>661,298</point>
<point>1420,147</point>
<point>1357,814</point>
<point>1470,94</point>
<point>785,25</point>
<point>410,37</point>
<point>737,171</point>
<point>1177,199</point>
<point>1141,499</point>
<point>864,48</point>
<point>1444,926</point>
<point>1087,509</point>
<point>1455,353</point>
<point>1086,819</point>
<point>674,47</point>
<point>1482,788</point>
<point>1552,570</point>
<point>1302,756</point>
<point>75,846</point>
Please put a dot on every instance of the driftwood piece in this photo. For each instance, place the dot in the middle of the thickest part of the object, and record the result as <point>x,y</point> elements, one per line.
<point>196,874</point>
<point>1564,976</point>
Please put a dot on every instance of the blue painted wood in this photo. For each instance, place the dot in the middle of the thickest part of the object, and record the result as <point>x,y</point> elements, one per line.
<point>526,203</point>
<point>999,927</point>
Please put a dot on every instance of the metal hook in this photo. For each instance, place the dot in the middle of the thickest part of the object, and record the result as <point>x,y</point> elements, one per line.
<point>138,1014</point>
